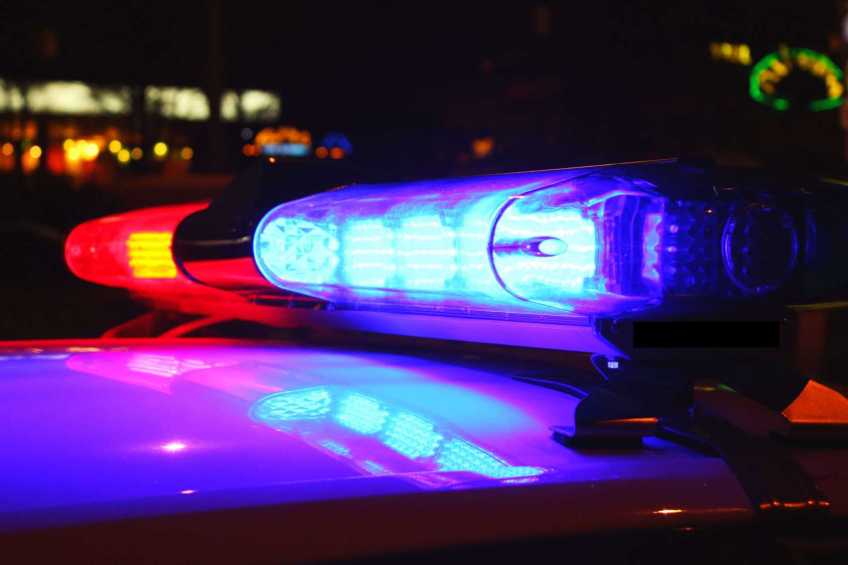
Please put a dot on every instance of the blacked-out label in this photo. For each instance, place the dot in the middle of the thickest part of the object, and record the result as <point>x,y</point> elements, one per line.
<point>706,334</point>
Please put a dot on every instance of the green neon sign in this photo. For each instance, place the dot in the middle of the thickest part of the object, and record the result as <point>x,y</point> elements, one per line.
<point>769,71</point>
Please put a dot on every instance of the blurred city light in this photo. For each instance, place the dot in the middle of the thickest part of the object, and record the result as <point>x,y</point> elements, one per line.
<point>177,102</point>
<point>90,150</point>
<point>160,149</point>
<point>192,104</point>
<point>769,73</point>
<point>739,54</point>
<point>284,141</point>
<point>61,97</point>
<point>334,140</point>
<point>250,105</point>
<point>482,147</point>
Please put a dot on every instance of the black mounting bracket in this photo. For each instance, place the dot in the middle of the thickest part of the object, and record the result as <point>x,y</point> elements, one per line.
<point>636,396</point>
<point>628,404</point>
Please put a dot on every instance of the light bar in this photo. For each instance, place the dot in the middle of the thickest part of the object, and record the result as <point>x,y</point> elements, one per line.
<point>131,250</point>
<point>561,243</point>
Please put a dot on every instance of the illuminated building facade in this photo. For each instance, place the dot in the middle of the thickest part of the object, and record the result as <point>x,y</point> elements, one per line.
<point>89,131</point>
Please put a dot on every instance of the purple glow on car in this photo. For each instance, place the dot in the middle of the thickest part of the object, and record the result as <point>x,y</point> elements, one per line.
<point>551,243</point>
<point>88,434</point>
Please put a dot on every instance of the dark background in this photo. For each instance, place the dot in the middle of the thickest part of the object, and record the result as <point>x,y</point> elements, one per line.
<point>411,84</point>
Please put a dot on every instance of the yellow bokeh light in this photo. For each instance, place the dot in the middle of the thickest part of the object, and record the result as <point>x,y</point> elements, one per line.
<point>780,68</point>
<point>67,144</point>
<point>744,54</point>
<point>160,149</point>
<point>72,154</point>
<point>35,152</point>
<point>136,153</point>
<point>115,146</point>
<point>739,53</point>
<point>187,153</point>
<point>123,156</point>
<point>90,151</point>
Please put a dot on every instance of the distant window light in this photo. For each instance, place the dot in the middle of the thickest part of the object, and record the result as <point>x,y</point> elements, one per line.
<point>258,105</point>
<point>230,106</point>
<point>11,99</point>
<point>250,106</point>
<point>60,97</point>
<point>176,102</point>
<point>172,102</point>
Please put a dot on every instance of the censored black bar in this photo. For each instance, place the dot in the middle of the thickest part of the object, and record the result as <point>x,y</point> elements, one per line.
<point>706,334</point>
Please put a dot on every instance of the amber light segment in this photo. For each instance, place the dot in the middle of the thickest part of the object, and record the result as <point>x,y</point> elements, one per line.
<point>149,255</point>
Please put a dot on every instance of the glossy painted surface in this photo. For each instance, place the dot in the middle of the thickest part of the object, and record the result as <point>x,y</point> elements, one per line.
<point>104,430</point>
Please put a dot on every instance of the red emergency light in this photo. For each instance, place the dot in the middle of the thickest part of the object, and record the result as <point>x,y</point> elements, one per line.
<point>131,250</point>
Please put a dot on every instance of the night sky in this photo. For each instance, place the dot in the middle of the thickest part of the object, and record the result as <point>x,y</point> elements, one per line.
<point>361,65</point>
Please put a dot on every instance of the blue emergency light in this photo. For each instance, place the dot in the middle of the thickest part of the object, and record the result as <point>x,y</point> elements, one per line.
<point>559,245</point>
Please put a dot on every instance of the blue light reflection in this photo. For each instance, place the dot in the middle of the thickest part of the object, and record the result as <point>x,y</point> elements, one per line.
<point>372,434</point>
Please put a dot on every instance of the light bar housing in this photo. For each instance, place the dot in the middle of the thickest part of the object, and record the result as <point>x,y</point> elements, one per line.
<point>563,246</point>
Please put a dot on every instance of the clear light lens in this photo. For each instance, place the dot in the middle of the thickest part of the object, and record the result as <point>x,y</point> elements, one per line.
<point>555,242</point>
